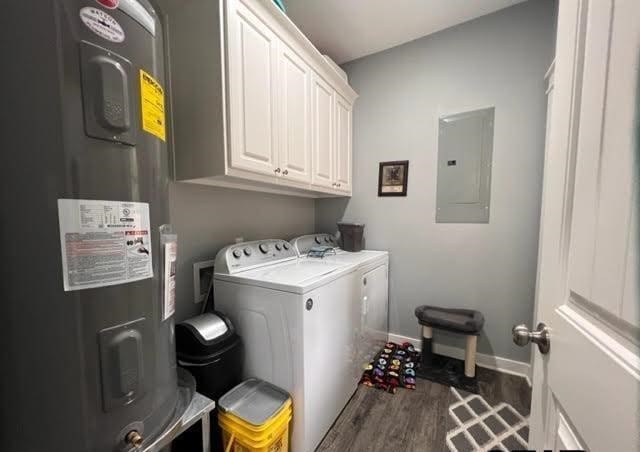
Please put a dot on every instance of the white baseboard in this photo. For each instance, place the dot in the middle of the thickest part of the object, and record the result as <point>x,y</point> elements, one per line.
<point>506,365</point>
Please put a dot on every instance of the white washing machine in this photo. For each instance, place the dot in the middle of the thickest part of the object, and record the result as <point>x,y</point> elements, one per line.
<point>372,291</point>
<point>300,325</point>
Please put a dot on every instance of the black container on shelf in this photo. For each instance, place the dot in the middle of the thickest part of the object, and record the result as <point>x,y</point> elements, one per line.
<point>209,348</point>
<point>352,236</point>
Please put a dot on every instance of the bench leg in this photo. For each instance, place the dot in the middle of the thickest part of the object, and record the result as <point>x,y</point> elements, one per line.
<point>470,357</point>
<point>427,346</point>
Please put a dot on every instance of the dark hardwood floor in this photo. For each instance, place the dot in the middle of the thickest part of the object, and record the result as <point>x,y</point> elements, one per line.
<point>413,420</point>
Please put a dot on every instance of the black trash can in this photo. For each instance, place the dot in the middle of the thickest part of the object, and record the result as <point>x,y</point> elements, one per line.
<point>209,348</point>
<point>352,235</point>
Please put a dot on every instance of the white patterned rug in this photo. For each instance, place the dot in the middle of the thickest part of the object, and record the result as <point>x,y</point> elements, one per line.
<point>478,426</point>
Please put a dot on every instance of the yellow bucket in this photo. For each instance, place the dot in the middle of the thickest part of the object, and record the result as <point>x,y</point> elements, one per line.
<point>271,436</point>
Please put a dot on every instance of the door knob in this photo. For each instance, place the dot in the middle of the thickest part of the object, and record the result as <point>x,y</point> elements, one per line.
<point>541,336</point>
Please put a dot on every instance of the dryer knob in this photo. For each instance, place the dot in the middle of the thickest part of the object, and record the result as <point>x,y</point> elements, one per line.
<point>318,241</point>
<point>264,248</point>
<point>326,240</point>
<point>247,251</point>
<point>309,304</point>
<point>278,246</point>
<point>286,245</point>
<point>237,254</point>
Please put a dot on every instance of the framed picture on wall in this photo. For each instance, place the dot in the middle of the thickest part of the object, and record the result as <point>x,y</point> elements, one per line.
<point>392,179</point>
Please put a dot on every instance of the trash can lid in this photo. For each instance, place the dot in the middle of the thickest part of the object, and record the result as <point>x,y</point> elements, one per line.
<point>207,326</point>
<point>201,339</point>
<point>254,401</point>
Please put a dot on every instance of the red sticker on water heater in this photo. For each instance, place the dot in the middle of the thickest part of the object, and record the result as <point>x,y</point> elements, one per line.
<point>111,4</point>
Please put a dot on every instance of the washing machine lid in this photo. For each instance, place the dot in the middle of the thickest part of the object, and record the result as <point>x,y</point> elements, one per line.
<point>297,276</point>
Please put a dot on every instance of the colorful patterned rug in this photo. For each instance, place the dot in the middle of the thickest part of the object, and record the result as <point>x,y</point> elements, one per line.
<point>393,367</point>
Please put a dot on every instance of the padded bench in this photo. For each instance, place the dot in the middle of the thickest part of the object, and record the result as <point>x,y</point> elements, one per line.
<point>463,321</point>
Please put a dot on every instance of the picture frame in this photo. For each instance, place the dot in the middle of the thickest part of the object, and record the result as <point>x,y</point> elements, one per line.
<point>393,177</point>
<point>202,277</point>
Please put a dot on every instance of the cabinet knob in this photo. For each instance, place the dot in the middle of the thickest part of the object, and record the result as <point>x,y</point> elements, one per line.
<point>285,172</point>
<point>337,185</point>
<point>277,170</point>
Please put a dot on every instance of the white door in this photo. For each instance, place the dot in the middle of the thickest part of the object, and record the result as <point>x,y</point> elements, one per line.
<point>252,89</point>
<point>322,131</point>
<point>586,390</point>
<point>343,144</point>
<point>295,124</point>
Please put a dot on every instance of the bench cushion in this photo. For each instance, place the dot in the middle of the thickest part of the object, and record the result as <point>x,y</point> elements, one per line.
<point>465,321</point>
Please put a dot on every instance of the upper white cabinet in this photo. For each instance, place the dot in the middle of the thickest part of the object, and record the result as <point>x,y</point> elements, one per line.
<point>322,99</point>
<point>254,104</point>
<point>295,101</point>
<point>343,139</point>
<point>252,87</point>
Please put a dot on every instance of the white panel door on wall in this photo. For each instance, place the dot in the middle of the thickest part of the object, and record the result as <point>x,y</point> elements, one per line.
<point>252,91</point>
<point>323,147</point>
<point>586,390</point>
<point>295,123</point>
<point>343,134</point>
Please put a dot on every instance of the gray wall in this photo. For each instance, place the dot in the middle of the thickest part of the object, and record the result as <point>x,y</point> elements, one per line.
<point>497,60</point>
<point>208,218</point>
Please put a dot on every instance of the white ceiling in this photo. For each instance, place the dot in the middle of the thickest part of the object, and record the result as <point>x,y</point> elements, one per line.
<point>350,29</point>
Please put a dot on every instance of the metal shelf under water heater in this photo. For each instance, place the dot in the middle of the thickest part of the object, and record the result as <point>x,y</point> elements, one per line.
<point>87,341</point>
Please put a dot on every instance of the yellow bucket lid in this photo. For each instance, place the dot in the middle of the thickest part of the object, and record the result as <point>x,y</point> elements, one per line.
<point>254,401</point>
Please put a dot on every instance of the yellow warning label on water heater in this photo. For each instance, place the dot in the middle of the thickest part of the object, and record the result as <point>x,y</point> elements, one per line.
<point>152,99</point>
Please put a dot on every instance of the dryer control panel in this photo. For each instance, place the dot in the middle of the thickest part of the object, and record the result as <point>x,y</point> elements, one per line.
<point>304,243</point>
<point>247,255</point>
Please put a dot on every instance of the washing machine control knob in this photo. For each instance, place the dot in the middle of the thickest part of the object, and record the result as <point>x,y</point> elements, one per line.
<point>237,253</point>
<point>264,248</point>
<point>247,251</point>
<point>286,245</point>
<point>278,246</point>
<point>318,241</point>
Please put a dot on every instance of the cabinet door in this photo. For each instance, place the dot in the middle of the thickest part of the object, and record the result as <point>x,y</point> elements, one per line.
<point>295,123</point>
<point>343,144</point>
<point>322,131</point>
<point>252,86</point>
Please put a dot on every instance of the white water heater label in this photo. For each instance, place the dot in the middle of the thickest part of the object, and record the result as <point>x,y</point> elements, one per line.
<point>104,243</point>
<point>170,257</point>
<point>102,24</point>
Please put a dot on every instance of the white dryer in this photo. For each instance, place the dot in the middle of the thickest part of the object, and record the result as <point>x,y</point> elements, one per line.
<point>372,290</point>
<point>299,325</point>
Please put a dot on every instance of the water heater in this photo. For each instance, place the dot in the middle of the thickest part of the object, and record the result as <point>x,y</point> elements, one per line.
<point>88,261</point>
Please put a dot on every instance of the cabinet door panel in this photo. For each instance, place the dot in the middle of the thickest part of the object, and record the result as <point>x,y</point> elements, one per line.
<point>323,143</point>
<point>343,144</point>
<point>252,92</point>
<point>295,124</point>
